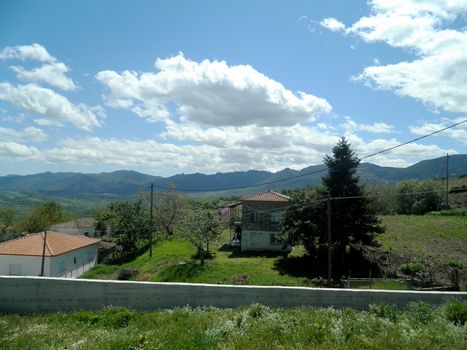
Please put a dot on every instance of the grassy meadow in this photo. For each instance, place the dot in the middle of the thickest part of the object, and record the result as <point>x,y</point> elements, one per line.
<point>419,326</point>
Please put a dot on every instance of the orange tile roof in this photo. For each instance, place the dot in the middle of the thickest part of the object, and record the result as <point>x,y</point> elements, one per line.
<point>269,196</point>
<point>56,244</point>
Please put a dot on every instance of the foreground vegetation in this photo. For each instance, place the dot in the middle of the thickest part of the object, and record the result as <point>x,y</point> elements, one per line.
<point>256,327</point>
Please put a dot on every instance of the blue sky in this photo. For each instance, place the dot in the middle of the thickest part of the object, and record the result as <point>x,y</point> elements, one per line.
<point>168,87</point>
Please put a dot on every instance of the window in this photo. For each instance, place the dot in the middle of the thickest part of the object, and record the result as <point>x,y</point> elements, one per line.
<point>15,270</point>
<point>257,216</point>
<point>74,260</point>
<point>276,216</point>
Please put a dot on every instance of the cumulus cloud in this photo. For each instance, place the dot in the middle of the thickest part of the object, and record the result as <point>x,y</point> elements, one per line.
<point>459,133</point>
<point>27,52</point>
<point>377,128</point>
<point>53,74</point>
<point>210,93</point>
<point>17,152</point>
<point>332,24</point>
<point>437,76</point>
<point>53,109</point>
<point>27,135</point>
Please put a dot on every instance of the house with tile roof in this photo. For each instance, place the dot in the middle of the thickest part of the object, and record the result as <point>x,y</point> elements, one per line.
<point>63,255</point>
<point>82,226</point>
<point>261,216</point>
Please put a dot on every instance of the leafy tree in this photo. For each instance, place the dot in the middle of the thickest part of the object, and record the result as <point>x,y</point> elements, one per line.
<point>200,227</point>
<point>44,216</point>
<point>7,215</point>
<point>129,222</point>
<point>426,197</point>
<point>168,211</point>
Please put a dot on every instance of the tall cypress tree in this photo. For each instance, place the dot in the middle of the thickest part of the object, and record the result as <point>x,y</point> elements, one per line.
<point>353,220</point>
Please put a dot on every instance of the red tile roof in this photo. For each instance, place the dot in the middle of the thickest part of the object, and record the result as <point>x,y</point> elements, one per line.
<point>57,244</point>
<point>269,196</point>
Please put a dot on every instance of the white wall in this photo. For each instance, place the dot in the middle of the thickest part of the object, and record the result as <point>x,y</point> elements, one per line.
<point>58,266</point>
<point>30,265</point>
<point>259,240</point>
<point>42,294</point>
<point>74,263</point>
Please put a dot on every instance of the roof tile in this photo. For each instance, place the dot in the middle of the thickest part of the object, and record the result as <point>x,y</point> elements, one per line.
<point>57,244</point>
<point>269,196</point>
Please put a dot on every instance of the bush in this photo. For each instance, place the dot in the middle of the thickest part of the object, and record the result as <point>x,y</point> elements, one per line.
<point>420,313</point>
<point>111,317</point>
<point>456,312</point>
<point>390,312</point>
<point>412,269</point>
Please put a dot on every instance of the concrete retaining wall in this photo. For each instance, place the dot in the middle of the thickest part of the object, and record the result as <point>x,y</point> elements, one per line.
<point>35,294</point>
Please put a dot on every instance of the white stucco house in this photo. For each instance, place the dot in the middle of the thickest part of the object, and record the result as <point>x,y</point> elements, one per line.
<point>260,223</point>
<point>64,255</point>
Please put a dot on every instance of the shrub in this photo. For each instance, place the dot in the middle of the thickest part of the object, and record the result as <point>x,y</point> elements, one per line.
<point>456,312</point>
<point>420,313</point>
<point>412,269</point>
<point>390,312</point>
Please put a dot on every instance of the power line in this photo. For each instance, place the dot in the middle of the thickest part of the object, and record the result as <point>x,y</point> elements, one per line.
<point>320,170</point>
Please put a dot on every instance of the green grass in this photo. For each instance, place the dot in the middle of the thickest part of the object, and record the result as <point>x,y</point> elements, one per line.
<point>441,239</point>
<point>173,260</point>
<point>254,327</point>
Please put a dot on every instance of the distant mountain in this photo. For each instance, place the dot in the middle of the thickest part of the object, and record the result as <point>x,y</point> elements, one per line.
<point>125,183</point>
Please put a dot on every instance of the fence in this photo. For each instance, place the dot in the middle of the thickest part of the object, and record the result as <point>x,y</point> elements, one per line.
<point>36,294</point>
<point>379,283</point>
<point>78,271</point>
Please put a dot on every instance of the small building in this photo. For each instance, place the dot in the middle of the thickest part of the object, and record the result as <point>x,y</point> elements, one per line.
<point>261,216</point>
<point>82,226</point>
<point>64,255</point>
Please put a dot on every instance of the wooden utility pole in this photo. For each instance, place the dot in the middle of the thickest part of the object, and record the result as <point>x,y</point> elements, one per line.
<point>329,240</point>
<point>43,253</point>
<point>447,180</point>
<point>151,228</point>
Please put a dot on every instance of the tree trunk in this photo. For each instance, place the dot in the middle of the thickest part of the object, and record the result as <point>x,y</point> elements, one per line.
<point>201,255</point>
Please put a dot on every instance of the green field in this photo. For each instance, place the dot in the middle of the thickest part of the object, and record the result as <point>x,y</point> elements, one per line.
<point>256,327</point>
<point>173,260</point>
<point>441,239</point>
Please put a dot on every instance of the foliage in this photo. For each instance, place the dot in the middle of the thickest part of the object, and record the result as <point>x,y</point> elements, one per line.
<point>251,327</point>
<point>130,224</point>
<point>427,199</point>
<point>200,227</point>
<point>7,215</point>
<point>44,216</point>
<point>456,312</point>
<point>353,220</point>
<point>169,208</point>
<point>412,269</point>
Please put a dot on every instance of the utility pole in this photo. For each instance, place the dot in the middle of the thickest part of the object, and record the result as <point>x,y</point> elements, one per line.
<point>447,180</point>
<point>43,253</point>
<point>329,240</point>
<point>150,221</point>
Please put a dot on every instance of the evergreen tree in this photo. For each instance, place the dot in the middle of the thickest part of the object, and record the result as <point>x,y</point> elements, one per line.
<point>353,219</point>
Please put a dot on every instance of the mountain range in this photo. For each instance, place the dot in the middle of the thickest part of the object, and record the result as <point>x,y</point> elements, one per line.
<point>125,183</point>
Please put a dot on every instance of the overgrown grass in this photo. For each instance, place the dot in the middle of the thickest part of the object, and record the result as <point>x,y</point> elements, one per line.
<point>174,260</point>
<point>255,327</point>
<point>441,239</point>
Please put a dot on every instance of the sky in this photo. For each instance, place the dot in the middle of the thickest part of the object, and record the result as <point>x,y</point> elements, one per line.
<point>169,87</point>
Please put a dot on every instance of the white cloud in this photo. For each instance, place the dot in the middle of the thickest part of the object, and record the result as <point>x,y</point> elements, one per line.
<point>459,133</point>
<point>332,24</point>
<point>26,52</point>
<point>437,75</point>
<point>53,109</point>
<point>52,74</point>
<point>27,135</point>
<point>377,128</point>
<point>210,93</point>
<point>17,152</point>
